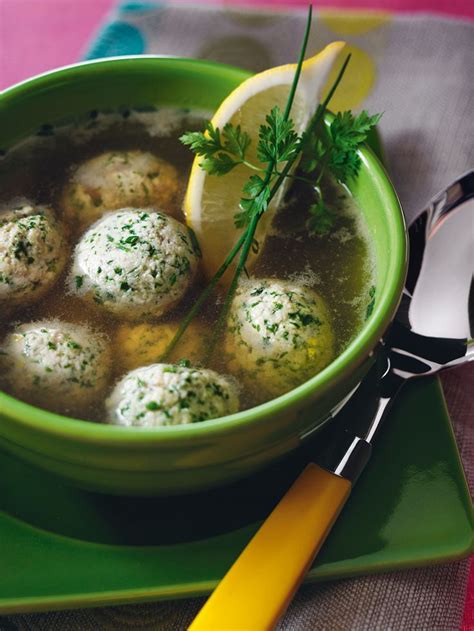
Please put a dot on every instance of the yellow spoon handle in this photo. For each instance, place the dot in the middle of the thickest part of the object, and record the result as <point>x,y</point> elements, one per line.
<point>259,586</point>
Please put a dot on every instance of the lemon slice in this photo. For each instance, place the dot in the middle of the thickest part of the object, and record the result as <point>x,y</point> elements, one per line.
<point>211,201</point>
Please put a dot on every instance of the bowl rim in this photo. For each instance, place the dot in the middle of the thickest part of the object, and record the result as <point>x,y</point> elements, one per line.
<point>25,84</point>
<point>358,349</point>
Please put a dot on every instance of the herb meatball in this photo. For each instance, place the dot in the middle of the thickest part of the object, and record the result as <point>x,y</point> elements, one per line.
<point>116,179</point>
<point>170,394</point>
<point>32,252</point>
<point>134,263</point>
<point>54,364</point>
<point>142,344</point>
<point>279,334</point>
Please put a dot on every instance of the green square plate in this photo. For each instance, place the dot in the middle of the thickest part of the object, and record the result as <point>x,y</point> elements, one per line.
<point>62,547</point>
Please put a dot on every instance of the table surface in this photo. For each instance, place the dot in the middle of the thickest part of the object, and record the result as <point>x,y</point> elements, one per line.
<point>57,32</point>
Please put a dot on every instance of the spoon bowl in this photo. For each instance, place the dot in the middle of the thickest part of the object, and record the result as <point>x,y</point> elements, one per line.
<point>433,328</point>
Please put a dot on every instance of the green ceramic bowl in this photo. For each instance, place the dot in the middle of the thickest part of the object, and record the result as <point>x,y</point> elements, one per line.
<point>188,457</point>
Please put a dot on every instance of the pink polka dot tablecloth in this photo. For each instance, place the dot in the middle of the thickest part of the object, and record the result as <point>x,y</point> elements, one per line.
<point>37,35</point>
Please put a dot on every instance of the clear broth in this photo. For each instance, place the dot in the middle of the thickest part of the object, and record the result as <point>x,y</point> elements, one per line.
<point>339,265</point>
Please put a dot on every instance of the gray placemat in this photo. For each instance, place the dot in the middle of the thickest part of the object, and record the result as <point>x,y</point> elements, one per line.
<point>418,70</point>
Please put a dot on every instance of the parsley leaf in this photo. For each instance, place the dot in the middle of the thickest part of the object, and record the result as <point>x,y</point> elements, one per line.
<point>205,143</point>
<point>278,140</point>
<point>346,133</point>
<point>321,218</point>
<point>255,205</point>
<point>222,152</point>
<point>253,186</point>
<point>219,164</point>
<point>339,153</point>
<point>236,141</point>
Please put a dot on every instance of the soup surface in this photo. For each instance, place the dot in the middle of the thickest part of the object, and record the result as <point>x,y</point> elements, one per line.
<point>336,268</point>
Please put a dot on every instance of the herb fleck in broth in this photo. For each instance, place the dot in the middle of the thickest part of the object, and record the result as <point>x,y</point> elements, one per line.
<point>338,265</point>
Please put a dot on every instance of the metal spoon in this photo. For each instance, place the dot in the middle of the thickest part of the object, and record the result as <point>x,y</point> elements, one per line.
<point>432,331</point>
<point>433,328</point>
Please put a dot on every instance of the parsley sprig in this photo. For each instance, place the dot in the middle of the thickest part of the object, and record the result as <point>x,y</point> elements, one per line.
<point>278,148</point>
<point>336,152</point>
<point>224,150</point>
